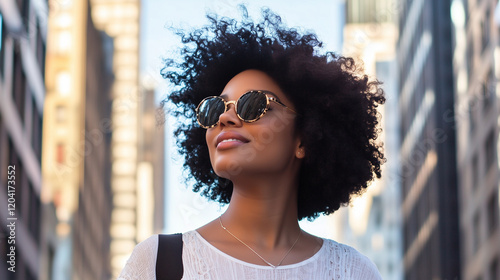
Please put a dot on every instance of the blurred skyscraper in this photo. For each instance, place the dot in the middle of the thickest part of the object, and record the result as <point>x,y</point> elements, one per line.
<point>103,155</point>
<point>428,150</point>
<point>151,166</point>
<point>22,62</point>
<point>476,66</point>
<point>373,224</point>
<point>137,145</point>
<point>91,238</point>
<point>76,147</point>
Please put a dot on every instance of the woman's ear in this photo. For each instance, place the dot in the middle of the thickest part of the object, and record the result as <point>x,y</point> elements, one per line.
<point>300,151</point>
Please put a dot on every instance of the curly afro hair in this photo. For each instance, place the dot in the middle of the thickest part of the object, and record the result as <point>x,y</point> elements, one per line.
<point>336,106</point>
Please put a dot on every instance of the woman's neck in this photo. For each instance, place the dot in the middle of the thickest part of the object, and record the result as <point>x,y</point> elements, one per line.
<point>263,211</point>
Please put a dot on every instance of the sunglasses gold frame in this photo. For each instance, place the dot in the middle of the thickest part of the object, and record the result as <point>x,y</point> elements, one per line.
<point>235,103</point>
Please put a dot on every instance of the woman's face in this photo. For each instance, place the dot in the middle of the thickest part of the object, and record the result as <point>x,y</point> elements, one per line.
<point>266,146</point>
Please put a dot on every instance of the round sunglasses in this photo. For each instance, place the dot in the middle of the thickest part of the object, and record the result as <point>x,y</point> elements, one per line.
<point>250,107</point>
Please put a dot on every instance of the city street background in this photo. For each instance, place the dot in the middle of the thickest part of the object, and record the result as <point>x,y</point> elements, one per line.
<point>89,166</point>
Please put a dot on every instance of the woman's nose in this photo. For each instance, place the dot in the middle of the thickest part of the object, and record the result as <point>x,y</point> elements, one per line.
<point>229,117</point>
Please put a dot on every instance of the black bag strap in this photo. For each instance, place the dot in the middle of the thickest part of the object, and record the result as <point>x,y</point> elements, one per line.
<point>169,257</point>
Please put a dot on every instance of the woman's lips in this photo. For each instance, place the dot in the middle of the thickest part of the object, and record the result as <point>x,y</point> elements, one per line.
<point>227,140</point>
<point>229,143</point>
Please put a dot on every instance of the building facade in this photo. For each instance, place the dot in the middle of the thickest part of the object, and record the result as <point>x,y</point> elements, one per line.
<point>137,157</point>
<point>151,166</point>
<point>104,168</point>
<point>373,223</point>
<point>121,22</point>
<point>428,150</point>
<point>476,66</point>
<point>91,238</point>
<point>76,153</point>
<point>22,62</point>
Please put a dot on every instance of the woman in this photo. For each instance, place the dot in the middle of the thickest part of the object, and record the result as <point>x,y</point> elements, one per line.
<point>279,132</point>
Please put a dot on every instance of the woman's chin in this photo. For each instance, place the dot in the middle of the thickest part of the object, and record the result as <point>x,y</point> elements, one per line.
<point>228,169</point>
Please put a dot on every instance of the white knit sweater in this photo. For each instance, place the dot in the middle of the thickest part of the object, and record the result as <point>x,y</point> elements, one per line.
<point>202,260</point>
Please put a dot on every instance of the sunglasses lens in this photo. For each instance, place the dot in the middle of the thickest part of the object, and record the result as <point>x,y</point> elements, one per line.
<point>252,105</point>
<point>210,110</point>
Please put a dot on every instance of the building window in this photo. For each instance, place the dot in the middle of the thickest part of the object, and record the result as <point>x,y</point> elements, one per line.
<point>21,181</point>
<point>61,113</point>
<point>5,157</point>
<point>466,10</point>
<point>3,36</point>
<point>36,128</point>
<point>485,95</point>
<point>60,153</point>
<point>470,57</point>
<point>476,238</point>
<point>492,213</point>
<point>377,211</point>
<point>24,7</point>
<point>13,159</point>
<point>40,49</point>
<point>29,274</point>
<point>494,269</point>
<point>490,150</point>
<point>488,87</point>
<point>485,30</point>
<point>3,163</point>
<point>34,214</point>
<point>475,171</point>
<point>472,117</point>
<point>19,84</point>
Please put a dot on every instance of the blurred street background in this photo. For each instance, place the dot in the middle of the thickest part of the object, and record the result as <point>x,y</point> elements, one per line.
<point>89,167</point>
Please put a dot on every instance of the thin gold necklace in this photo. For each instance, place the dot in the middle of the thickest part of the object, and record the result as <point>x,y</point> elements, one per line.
<point>270,264</point>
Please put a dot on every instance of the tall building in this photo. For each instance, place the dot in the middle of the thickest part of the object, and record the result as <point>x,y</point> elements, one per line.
<point>136,144</point>
<point>91,238</point>
<point>151,166</point>
<point>121,21</point>
<point>76,147</point>
<point>22,62</point>
<point>103,156</point>
<point>428,150</point>
<point>373,223</point>
<point>476,66</point>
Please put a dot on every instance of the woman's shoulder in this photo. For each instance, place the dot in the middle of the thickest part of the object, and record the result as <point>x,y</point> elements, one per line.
<point>148,243</point>
<point>142,262</point>
<point>359,265</point>
<point>147,247</point>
